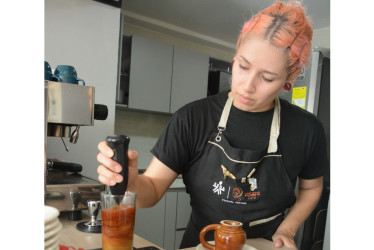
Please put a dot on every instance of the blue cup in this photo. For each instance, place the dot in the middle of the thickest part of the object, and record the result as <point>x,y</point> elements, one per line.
<point>67,74</point>
<point>48,73</point>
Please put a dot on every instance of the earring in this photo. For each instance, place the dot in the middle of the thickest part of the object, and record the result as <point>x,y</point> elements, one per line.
<point>287,87</point>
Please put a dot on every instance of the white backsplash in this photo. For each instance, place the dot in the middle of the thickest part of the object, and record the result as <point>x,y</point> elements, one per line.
<point>142,145</point>
<point>143,129</point>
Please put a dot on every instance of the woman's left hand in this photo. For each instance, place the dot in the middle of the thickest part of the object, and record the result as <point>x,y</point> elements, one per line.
<point>283,238</point>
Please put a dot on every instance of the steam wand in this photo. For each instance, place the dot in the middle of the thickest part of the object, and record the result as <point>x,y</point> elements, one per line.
<point>66,147</point>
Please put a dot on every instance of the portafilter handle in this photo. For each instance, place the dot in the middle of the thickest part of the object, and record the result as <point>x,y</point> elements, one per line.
<point>75,196</point>
<point>93,209</point>
<point>75,213</point>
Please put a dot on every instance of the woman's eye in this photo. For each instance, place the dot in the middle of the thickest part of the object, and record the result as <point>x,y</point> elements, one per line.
<point>243,67</point>
<point>267,79</point>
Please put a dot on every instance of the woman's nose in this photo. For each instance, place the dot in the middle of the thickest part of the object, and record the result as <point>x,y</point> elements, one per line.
<point>250,83</point>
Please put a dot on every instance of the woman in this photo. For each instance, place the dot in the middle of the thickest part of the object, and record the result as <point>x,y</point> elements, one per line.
<point>241,152</point>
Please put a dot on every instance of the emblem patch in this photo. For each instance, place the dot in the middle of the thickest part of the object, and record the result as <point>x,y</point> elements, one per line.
<point>253,184</point>
<point>237,192</point>
<point>245,191</point>
<point>218,188</point>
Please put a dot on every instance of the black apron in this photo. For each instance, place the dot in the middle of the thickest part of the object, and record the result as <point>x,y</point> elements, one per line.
<point>250,186</point>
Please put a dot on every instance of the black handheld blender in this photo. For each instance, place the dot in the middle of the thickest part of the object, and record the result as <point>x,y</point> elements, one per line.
<point>120,146</point>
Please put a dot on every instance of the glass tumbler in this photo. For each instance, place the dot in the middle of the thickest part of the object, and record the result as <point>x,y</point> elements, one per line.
<point>117,220</point>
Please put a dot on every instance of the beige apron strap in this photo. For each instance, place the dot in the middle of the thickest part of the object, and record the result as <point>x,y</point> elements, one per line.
<point>224,116</point>
<point>275,127</point>
<point>275,124</point>
<point>225,113</point>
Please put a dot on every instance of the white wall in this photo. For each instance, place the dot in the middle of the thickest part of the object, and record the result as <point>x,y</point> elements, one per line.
<point>84,34</point>
<point>321,40</point>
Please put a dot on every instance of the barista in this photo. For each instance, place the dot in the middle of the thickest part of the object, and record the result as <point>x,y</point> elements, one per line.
<point>241,152</point>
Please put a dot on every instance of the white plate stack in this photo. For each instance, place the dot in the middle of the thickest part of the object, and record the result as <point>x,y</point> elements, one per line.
<point>52,228</point>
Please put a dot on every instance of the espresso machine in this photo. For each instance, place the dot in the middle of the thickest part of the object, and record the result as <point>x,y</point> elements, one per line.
<point>68,107</point>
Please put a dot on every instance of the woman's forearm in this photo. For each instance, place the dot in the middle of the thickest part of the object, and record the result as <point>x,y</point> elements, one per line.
<point>309,192</point>
<point>153,184</point>
<point>146,195</point>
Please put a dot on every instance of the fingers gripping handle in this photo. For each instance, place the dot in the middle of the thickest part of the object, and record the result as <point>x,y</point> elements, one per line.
<point>120,145</point>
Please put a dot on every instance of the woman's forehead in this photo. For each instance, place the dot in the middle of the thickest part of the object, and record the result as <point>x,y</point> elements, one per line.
<point>256,50</point>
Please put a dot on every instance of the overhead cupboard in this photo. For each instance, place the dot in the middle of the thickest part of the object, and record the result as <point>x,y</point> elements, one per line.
<point>163,77</point>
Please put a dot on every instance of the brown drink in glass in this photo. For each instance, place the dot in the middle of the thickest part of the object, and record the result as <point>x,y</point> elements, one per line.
<point>117,220</point>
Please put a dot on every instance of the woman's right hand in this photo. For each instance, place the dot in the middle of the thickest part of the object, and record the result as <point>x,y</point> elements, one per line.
<point>109,169</point>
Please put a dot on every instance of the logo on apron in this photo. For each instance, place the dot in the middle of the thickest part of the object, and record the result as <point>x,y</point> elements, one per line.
<point>218,188</point>
<point>244,188</point>
<point>237,192</point>
<point>253,183</point>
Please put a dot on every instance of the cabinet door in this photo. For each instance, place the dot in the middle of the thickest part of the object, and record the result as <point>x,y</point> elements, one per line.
<point>183,216</point>
<point>178,238</point>
<point>183,210</point>
<point>150,75</point>
<point>170,215</point>
<point>150,223</point>
<point>177,214</point>
<point>190,77</point>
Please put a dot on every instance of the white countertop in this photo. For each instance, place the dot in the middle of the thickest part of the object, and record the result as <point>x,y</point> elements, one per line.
<point>178,183</point>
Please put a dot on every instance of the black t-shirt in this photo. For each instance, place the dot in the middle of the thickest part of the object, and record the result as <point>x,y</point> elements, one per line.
<point>301,140</point>
<point>301,143</point>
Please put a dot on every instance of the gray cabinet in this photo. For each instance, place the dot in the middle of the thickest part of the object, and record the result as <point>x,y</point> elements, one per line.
<point>183,209</point>
<point>189,79</point>
<point>165,223</point>
<point>182,218</point>
<point>163,77</point>
<point>150,222</point>
<point>150,75</point>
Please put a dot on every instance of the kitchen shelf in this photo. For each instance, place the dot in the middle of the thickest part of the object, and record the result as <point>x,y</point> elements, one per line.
<point>120,105</point>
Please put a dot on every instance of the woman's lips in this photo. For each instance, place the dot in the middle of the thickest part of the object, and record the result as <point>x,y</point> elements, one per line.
<point>244,99</point>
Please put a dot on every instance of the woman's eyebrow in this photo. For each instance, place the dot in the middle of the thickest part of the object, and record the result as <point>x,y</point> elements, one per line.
<point>266,71</point>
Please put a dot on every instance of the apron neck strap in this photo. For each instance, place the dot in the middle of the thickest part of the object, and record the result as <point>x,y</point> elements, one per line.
<point>225,113</point>
<point>275,124</point>
<point>275,127</point>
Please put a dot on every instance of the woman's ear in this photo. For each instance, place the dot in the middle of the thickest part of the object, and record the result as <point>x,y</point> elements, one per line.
<point>287,87</point>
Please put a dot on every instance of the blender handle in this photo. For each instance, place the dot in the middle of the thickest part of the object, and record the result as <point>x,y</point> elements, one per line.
<point>120,145</point>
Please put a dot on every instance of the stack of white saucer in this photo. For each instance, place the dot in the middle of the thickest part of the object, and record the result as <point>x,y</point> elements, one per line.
<point>52,228</point>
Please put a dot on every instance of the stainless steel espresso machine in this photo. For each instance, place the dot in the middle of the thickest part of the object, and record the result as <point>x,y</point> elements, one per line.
<point>68,107</point>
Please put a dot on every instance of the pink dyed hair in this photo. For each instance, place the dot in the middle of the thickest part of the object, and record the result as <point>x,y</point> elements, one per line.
<point>283,25</point>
